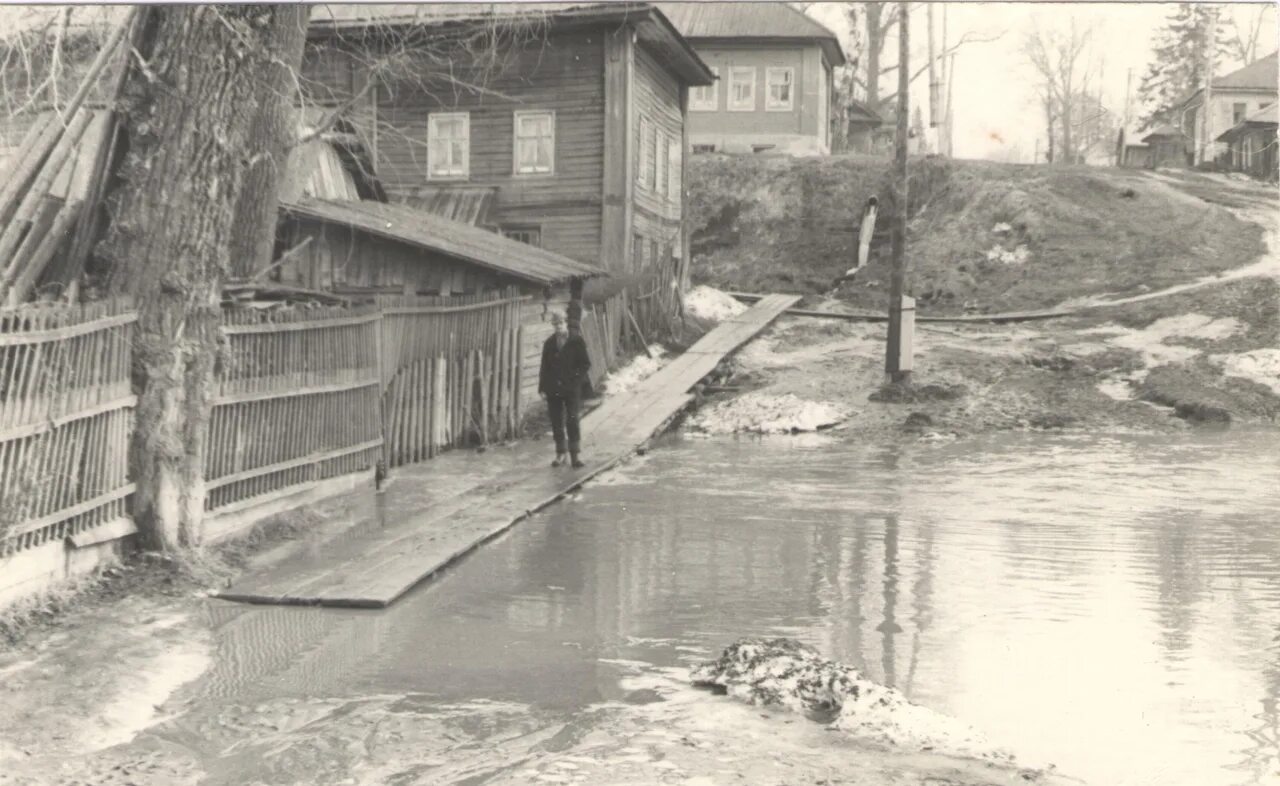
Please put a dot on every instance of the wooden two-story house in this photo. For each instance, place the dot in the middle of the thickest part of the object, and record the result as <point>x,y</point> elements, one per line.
<point>774,65</point>
<point>560,125</point>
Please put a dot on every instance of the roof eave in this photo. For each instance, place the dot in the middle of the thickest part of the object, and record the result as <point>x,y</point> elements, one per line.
<point>695,72</point>
<point>303,210</point>
<point>829,46</point>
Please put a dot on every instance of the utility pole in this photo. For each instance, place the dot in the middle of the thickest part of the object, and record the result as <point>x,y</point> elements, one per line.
<point>951,117</point>
<point>1128,83</point>
<point>933,76</point>
<point>946,85</point>
<point>898,350</point>
<point>1124,129</point>
<point>1210,38</point>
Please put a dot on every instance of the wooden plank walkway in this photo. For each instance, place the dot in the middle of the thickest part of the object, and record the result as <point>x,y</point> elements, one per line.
<point>373,570</point>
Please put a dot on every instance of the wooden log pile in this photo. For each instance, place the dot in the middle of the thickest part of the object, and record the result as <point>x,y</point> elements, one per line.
<point>50,202</point>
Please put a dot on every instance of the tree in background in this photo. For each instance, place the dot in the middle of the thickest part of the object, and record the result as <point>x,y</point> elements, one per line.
<point>272,137</point>
<point>1178,59</point>
<point>873,25</point>
<point>1061,62</point>
<point>844,79</point>
<point>1246,30</point>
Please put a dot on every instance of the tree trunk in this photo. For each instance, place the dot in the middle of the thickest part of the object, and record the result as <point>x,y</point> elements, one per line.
<point>187,108</point>
<point>875,44</point>
<point>1068,149</point>
<point>1048,118</point>
<point>272,135</point>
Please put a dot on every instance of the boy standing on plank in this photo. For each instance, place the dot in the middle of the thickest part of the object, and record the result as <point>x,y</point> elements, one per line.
<point>560,382</point>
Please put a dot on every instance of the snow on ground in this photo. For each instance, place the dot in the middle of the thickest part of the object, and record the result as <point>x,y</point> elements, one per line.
<point>762,413</point>
<point>632,374</point>
<point>711,304</point>
<point>785,673</point>
<point>1154,341</point>
<point>1260,365</point>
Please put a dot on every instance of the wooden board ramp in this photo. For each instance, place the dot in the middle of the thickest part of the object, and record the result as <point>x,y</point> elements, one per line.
<point>374,570</point>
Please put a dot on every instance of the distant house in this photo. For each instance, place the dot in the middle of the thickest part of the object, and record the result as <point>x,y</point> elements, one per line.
<point>1166,147</point>
<point>1136,155</point>
<point>559,125</point>
<point>1233,98</point>
<point>774,75</point>
<point>1251,144</point>
<point>863,124</point>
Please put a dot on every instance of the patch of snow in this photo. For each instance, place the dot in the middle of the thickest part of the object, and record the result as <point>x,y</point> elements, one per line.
<point>1016,256</point>
<point>763,413</point>
<point>632,374</point>
<point>135,707</point>
<point>1152,342</point>
<point>1260,365</point>
<point>711,304</point>
<point>786,673</point>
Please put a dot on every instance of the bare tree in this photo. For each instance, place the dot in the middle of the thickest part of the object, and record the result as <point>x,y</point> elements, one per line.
<point>1247,34</point>
<point>880,18</point>
<point>1058,57</point>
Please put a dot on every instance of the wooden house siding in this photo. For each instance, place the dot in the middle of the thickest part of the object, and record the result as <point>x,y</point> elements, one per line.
<point>657,211</point>
<point>563,74</point>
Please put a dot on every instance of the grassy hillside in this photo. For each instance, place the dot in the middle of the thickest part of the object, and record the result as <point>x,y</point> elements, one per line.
<point>982,236</point>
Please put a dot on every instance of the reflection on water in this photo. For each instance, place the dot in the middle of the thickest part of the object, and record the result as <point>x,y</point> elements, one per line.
<point>1111,604</point>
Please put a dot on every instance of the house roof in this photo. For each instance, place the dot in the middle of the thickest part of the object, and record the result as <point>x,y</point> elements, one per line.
<point>861,113</point>
<point>752,22</point>
<point>467,243</point>
<point>1165,130</point>
<point>1260,76</point>
<point>1262,119</point>
<point>651,26</point>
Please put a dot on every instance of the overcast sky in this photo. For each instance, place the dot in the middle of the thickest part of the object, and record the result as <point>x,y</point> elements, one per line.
<point>996,111</point>
<point>995,106</point>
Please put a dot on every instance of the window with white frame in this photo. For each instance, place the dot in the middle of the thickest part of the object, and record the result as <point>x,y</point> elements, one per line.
<point>781,90</point>
<point>535,142</point>
<point>674,161</point>
<point>660,161</point>
<point>742,89</point>
<point>706,99</point>
<point>448,146</point>
<point>646,164</point>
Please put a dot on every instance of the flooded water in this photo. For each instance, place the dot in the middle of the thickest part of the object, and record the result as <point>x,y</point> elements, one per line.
<point>1110,604</point>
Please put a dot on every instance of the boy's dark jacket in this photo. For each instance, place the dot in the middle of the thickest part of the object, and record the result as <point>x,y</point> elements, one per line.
<point>564,368</point>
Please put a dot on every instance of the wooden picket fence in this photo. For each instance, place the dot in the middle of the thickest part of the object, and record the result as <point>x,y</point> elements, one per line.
<point>451,372</point>
<point>297,401</point>
<point>66,414</point>
<point>653,304</point>
<point>604,326</point>
<point>301,395</point>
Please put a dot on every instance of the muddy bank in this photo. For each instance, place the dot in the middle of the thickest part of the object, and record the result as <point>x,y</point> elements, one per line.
<point>983,237</point>
<point>1116,370</point>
